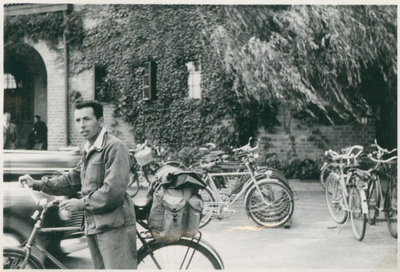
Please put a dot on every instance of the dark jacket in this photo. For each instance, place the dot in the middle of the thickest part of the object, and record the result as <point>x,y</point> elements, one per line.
<point>102,176</point>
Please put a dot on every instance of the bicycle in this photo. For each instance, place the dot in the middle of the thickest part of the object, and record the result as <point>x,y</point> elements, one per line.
<point>345,191</point>
<point>144,166</point>
<point>186,253</point>
<point>387,169</point>
<point>268,201</point>
<point>333,166</point>
<point>223,164</point>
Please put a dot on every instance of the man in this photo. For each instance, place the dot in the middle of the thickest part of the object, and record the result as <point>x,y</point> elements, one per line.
<point>10,135</point>
<point>102,175</point>
<point>40,130</point>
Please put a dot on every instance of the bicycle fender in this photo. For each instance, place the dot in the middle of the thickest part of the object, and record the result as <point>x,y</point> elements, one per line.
<point>213,250</point>
<point>337,177</point>
<point>364,203</point>
<point>259,181</point>
<point>202,242</point>
<point>22,252</point>
<point>284,180</point>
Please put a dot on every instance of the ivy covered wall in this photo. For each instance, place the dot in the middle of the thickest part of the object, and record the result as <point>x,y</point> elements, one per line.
<point>119,39</point>
<point>170,36</point>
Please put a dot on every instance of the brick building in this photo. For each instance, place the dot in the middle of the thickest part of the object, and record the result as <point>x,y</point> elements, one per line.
<point>37,82</point>
<point>44,86</point>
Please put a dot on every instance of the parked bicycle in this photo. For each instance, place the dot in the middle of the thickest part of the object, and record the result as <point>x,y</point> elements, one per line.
<point>268,198</point>
<point>225,162</point>
<point>195,253</point>
<point>385,169</point>
<point>346,194</point>
<point>333,164</point>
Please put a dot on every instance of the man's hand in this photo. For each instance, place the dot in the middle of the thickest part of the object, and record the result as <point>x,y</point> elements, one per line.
<point>28,179</point>
<point>71,205</point>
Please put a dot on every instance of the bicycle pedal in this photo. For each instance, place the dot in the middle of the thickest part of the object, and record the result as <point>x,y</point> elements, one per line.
<point>287,225</point>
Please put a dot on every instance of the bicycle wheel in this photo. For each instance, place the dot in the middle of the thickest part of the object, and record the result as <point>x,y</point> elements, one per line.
<point>183,254</point>
<point>325,173</point>
<point>276,174</point>
<point>391,207</point>
<point>209,205</point>
<point>358,218</point>
<point>13,258</point>
<point>272,207</point>
<point>334,199</point>
<point>373,199</point>
<point>133,185</point>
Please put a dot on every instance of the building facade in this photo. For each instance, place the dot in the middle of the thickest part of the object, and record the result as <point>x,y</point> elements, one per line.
<point>38,81</point>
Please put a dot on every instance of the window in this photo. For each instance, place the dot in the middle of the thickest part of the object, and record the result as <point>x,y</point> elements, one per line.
<point>9,82</point>
<point>149,81</point>
<point>194,80</point>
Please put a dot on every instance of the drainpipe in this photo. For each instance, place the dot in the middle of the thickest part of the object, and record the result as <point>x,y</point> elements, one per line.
<point>67,139</point>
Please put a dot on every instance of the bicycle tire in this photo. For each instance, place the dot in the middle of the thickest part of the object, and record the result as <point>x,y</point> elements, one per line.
<point>13,257</point>
<point>391,207</point>
<point>208,200</point>
<point>275,175</point>
<point>358,218</point>
<point>374,200</point>
<point>334,199</point>
<point>171,256</point>
<point>279,207</point>
<point>133,185</point>
<point>325,173</point>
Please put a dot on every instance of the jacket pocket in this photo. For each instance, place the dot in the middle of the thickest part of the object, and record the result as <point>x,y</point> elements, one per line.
<point>109,220</point>
<point>93,177</point>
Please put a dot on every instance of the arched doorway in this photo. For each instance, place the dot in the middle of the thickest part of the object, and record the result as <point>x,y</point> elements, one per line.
<point>25,88</point>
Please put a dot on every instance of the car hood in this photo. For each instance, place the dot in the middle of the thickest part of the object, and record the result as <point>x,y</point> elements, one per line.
<point>28,159</point>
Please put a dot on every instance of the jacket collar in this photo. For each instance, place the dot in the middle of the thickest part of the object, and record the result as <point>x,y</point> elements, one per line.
<point>98,144</point>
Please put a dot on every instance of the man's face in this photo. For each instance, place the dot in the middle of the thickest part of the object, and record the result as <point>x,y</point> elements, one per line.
<point>87,124</point>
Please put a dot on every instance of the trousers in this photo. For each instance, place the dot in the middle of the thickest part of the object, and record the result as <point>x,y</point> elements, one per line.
<point>114,249</point>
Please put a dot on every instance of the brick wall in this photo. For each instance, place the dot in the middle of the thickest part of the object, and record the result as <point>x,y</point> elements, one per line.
<point>83,83</point>
<point>56,98</point>
<point>311,141</point>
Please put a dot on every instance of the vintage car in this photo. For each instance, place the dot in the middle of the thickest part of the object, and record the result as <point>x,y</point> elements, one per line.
<point>18,206</point>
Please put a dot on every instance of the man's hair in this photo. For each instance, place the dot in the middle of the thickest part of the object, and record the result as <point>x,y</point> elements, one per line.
<point>95,105</point>
<point>7,115</point>
<point>38,117</point>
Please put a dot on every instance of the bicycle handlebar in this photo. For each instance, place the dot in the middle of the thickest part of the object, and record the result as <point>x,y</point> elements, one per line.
<point>381,151</point>
<point>42,202</point>
<point>247,148</point>
<point>381,161</point>
<point>348,153</point>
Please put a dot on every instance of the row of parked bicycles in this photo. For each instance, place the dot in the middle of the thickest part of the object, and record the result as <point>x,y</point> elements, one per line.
<point>352,193</point>
<point>268,198</point>
<point>355,193</point>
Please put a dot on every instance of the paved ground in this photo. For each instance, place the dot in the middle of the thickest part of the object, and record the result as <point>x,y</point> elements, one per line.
<point>313,242</point>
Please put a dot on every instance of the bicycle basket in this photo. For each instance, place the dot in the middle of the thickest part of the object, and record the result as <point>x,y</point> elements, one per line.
<point>144,156</point>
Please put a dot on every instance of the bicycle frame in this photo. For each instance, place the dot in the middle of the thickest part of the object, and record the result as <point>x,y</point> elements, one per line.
<point>345,178</point>
<point>27,246</point>
<point>252,181</point>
